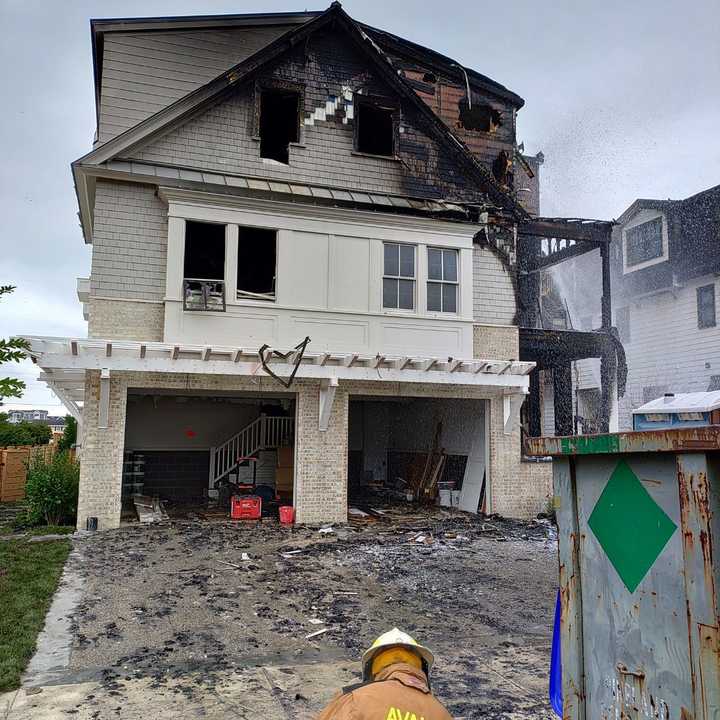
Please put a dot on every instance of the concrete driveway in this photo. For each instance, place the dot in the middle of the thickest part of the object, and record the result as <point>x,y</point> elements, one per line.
<point>220,620</point>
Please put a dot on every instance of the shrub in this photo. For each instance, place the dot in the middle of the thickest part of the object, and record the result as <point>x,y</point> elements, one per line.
<point>51,490</point>
<point>24,433</point>
<point>69,437</point>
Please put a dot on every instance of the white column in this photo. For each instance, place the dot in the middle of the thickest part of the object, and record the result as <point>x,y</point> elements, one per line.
<point>175,258</point>
<point>421,272</point>
<point>232,233</point>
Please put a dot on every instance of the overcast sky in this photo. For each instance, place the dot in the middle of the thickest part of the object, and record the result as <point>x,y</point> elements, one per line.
<point>621,97</point>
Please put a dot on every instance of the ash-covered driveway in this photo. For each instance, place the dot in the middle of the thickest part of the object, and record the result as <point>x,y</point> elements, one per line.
<point>174,622</point>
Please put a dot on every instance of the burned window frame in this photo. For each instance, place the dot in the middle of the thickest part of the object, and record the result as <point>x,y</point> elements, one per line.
<point>204,294</point>
<point>710,321</point>
<point>248,295</point>
<point>269,85</point>
<point>381,103</point>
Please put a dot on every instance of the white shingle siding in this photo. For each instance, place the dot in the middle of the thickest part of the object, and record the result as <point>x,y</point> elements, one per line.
<point>220,140</point>
<point>144,72</point>
<point>129,242</point>
<point>493,293</point>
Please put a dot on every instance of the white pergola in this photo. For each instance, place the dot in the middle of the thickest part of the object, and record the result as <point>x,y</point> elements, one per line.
<point>65,360</point>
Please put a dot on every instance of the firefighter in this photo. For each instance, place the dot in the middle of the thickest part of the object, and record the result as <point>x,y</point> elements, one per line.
<point>396,684</point>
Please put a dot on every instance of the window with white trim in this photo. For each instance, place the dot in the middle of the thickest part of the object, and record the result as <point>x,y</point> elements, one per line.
<point>399,276</point>
<point>706,306</point>
<point>442,286</point>
<point>644,242</point>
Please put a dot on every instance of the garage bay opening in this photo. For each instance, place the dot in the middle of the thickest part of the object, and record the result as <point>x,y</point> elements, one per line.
<point>188,453</point>
<point>421,450</point>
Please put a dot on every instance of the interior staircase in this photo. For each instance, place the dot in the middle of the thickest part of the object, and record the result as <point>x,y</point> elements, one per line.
<point>265,433</point>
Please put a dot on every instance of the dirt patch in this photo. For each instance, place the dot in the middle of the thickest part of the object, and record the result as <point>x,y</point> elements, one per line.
<point>175,605</point>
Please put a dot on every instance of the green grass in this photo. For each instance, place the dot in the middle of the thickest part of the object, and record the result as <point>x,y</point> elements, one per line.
<point>29,575</point>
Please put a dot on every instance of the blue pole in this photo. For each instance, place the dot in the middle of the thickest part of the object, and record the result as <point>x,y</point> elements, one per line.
<point>556,697</point>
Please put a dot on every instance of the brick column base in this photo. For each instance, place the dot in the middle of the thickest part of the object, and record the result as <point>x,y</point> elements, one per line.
<point>102,455</point>
<point>321,458</point>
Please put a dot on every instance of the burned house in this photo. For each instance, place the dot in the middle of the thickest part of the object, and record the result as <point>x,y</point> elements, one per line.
<point>313,261</point>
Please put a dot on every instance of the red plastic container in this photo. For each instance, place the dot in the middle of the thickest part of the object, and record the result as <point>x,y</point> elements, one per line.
<point>287,515</point>
<point>245,507</point>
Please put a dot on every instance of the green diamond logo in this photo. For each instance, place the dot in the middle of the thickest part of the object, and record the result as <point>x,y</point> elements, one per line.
<point>630,526</point>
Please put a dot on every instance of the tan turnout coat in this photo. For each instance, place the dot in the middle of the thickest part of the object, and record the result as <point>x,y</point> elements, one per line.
<point>400,692</point>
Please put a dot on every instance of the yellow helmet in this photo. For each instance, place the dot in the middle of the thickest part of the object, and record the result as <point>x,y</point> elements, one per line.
<point>395,638</point>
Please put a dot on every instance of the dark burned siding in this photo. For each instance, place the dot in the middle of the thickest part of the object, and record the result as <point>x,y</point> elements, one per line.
<point>222,138</point>
<point>444,98</point>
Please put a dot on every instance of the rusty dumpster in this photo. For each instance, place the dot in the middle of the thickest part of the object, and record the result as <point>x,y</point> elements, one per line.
<point>639,527</point>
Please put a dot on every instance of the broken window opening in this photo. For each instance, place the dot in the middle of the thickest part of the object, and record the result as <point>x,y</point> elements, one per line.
<point>204,266</point>
<point>479,117</point>
<point>706,306</point>
<point>257,263</point>
<point>442,287</point>
<point>429,77</point>
<point>375,133</point>
<point>279,123</point>
<point>399,276</point>
<point>644,242</point>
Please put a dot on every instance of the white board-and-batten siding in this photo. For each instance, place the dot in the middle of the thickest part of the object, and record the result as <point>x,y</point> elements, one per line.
<point>130,263</point>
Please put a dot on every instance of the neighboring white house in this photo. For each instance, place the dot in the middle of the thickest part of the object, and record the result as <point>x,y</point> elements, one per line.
<point>262,180</point>
<point>667,264</point>
<point>665,269</point>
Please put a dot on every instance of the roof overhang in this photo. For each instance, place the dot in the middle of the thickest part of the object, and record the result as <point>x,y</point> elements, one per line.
<point>233,187</point>
<point>64,362</point>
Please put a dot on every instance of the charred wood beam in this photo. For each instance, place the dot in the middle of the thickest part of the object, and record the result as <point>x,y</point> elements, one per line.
<point>539,261</point>
<point>608,369</point>
<point>597,231</point>
<point>562,398</point>
<point>534,413</point>
<point>606,300</point>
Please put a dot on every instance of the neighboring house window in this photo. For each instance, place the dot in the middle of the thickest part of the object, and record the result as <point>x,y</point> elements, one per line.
<point>375,131</point>
<point>204,266</point>
<point>714,383</point>
<point>706,306</point>
<point>644,242</point>
<point>279,123</point>
<point>622,323</point>
<point>442,287</point>
<point>653,392</point>
<point>399,276</point>
<point>257,263</point>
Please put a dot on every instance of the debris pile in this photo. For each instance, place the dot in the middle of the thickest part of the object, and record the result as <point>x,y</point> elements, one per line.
<point>192,604</point>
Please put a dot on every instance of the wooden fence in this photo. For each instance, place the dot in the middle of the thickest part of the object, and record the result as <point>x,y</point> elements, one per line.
<point>13,468</point>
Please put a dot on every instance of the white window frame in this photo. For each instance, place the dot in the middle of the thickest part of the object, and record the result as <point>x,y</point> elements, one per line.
<point>413,279</point>
<point>455,282</point>
<point>640,219</point>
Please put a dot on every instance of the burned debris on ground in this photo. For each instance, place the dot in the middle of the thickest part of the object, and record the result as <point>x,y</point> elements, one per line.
<point>190,605</point>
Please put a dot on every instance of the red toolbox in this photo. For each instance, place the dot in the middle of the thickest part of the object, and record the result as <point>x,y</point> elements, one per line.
<point>245,507</point>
